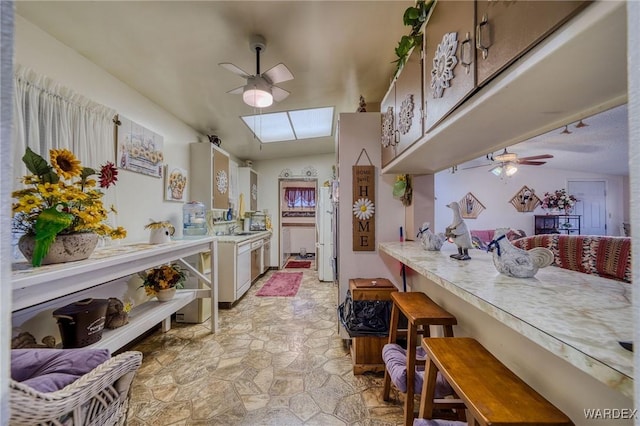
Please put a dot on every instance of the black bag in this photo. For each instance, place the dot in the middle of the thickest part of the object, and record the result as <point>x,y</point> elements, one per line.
<point>365,317</point>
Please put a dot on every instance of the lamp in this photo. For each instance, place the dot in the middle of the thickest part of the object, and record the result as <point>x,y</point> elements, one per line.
<point>497,170</point>
<point>510,168</point>
<point>257,93</point>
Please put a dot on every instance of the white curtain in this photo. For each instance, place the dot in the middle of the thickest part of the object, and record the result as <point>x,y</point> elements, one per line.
<point>50,116</point>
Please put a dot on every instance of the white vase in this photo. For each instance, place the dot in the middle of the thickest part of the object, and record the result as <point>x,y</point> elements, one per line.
<point>166,294</point>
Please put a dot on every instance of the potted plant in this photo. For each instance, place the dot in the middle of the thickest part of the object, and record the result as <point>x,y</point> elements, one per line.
<point>163,281</point>
<point>62,200</point>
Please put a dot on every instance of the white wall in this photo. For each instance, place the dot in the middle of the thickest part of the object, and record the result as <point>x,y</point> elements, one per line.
<point>495,194</point>
<point>269,190</point>
<point>139,197</point>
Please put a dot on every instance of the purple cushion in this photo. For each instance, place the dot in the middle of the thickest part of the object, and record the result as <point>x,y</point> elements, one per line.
<point>437,422</point>
<point>49,370</point>
<point>395,360</point>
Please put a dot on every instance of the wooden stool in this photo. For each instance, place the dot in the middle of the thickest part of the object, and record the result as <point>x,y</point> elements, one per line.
<point>421,312</point>
<point>491,392</point>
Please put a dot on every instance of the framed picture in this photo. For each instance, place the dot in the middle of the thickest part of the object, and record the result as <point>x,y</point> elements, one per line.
<point>175,184</point>
<point>138,149</point>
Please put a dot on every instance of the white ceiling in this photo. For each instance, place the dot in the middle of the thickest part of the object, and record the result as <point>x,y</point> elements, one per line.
<point>337,50</point>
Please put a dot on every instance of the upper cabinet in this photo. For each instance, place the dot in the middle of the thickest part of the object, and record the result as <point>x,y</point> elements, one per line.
<point>450,63</point>
<point>248,185</point>
<point>209,180</point>
<point>507,29</point>
<point>402,110</point>
<point>500,72</point>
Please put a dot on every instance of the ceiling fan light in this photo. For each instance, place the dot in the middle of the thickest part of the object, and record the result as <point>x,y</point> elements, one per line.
<point>510,169</point>
<point>497,170</point>
<point>257,98</point>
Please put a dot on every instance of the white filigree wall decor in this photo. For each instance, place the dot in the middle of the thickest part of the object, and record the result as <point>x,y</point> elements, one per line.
<point>443,63</point>
<point>222,182</point>
<point>406,114</point>
<point>254,192</point>
<point>387,128</point>
<point>306,172</point>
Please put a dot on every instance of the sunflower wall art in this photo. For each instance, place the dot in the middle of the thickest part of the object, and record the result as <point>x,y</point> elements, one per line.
<point>175,184</point>
<point>364,208</point>
<point>138,149</point>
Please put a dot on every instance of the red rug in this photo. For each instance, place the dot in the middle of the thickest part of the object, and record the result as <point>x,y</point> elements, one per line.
<point>298,264</point>
<point>281,284</point>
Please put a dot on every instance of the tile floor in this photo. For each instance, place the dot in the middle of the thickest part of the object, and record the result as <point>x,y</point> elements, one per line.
<point>275,361</point>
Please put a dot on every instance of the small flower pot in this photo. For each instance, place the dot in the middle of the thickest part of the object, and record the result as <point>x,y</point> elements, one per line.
<point>166,294</point>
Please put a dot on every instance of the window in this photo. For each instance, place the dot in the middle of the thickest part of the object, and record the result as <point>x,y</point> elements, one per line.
<point>300,198</point>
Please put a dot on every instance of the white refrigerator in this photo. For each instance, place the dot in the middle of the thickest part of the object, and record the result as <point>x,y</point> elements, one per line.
<point>324,244</point>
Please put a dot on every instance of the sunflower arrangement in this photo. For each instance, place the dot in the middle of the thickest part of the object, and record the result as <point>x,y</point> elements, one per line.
<point>65,182</point>
<point>163,278</point>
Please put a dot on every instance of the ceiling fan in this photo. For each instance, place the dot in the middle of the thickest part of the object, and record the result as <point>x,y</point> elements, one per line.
<point>260,90</point>
<point>509,161</point>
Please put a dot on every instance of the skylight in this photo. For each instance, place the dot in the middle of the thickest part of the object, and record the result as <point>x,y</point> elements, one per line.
<point>291,125</point>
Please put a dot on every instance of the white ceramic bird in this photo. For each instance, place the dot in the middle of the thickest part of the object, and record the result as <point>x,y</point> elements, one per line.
<point>458,233</point>
<point>429,240</point>
<point>515,262</point>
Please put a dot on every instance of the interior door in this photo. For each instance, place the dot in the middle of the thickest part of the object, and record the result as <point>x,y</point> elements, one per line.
<point>591,205</point>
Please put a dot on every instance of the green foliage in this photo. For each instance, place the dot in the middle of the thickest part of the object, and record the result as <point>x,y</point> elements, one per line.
<point>414,16</point>
<point>39,167</point>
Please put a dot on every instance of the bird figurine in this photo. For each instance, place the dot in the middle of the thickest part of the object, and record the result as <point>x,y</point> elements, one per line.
<point>515,262</point>
<point>458,233</point>
<point>429,240</point>
<point>50,222</point>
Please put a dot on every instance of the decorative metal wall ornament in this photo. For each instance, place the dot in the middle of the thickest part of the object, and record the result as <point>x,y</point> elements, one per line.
<point>388,138</point>
<point>525,200</point>
<point>222,182</point>
<point>254,192</point>
<point>306,173</point>
<point>443,63</point>
<point>405,115</point>
<point>470,207</point>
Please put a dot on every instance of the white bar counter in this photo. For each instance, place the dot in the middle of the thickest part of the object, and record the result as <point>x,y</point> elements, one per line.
<point>577,317</point>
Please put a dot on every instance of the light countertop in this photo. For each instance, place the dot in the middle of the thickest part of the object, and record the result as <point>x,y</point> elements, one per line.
<point>244,237</point>
<point>578,317</point>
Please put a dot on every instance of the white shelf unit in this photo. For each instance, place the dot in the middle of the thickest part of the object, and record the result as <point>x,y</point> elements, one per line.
<point>36,287</point>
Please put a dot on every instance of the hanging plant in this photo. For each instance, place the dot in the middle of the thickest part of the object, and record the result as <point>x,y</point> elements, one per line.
<point>415,17</point>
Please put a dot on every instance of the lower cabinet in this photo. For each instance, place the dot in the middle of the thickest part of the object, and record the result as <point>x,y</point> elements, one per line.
<point>234,277</point>
<point>240,264</point>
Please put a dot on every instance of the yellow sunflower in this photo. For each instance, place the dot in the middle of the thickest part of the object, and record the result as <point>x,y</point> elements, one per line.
<point>65,163</point>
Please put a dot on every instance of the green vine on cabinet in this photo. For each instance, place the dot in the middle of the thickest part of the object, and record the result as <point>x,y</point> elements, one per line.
<point>415,17</point>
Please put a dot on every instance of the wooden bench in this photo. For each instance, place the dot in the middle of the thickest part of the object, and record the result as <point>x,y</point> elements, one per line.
<point>421,312</point>
<point>492,394</point>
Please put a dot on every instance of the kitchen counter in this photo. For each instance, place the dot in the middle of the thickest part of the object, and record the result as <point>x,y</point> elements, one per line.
<point>243,237</point>
<point>578,317</point>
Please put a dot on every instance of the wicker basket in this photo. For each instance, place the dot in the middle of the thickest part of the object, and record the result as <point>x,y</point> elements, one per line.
<point>81,323</point>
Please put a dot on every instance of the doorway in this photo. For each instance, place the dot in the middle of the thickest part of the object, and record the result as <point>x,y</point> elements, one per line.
<point>591,205</point>
<point>297,224</point>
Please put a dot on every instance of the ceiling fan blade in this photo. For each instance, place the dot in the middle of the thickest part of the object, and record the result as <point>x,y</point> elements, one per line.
<point>278,74</point>
<point>237,91</point>
<point>531,163</point>
<point>536,157</point>
<point>234,69</point>
<point>279,94</point>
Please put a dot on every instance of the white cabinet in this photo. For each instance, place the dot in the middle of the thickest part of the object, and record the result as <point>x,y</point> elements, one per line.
<point>235,273</point>
<point>248,185</point>
<point>209,175</point>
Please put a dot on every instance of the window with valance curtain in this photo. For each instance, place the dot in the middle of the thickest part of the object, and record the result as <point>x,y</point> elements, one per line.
<point>300,197</point>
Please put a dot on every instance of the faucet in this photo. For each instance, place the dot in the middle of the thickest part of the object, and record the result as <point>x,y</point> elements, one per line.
<point>232,229</point>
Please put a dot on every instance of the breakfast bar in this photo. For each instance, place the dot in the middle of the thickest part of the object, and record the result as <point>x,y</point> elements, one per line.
<point>576,317</point>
